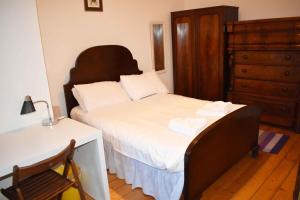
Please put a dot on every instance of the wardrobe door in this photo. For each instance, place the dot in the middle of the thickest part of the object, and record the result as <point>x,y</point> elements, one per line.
<point>209,57</point>
<point>199,58</point>
<point>183,36</point>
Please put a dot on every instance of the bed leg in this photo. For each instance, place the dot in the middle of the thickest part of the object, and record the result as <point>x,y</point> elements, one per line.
<point>254,151</point>
<point>197,198</point>
<point>200,196</point>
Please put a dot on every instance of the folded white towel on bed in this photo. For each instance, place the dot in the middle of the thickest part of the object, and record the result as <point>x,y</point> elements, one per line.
<point>187,126</point>
<point>217,108</point>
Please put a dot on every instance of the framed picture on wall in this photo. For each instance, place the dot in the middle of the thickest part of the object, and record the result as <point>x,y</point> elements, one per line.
<point>93,5</point>
<point>157,40</point>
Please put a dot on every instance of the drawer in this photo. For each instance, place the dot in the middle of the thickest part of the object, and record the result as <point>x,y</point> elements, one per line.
<point>274,112</point>
<point>266,88</point>
<point>266,38</point>
<point>267,57</point>
<point>271,73</point>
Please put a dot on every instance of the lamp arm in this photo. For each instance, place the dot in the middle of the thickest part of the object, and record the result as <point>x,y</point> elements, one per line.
<point>43,101</point>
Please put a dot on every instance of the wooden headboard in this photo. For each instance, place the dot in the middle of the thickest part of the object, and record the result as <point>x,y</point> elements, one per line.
<point>99,63</point>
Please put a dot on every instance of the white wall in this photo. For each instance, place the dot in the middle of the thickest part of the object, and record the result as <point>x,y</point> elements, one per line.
<point>67,30</point>
<point>253,9</point>
<point>22,68</point>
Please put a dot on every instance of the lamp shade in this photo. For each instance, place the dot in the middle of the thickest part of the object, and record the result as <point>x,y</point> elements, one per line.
<point>28,106</point>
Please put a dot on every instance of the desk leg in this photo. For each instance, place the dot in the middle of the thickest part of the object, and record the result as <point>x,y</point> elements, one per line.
<point>91,160</point>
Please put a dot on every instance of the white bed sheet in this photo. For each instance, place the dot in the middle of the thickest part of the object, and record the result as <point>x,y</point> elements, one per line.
<point>139,129</point>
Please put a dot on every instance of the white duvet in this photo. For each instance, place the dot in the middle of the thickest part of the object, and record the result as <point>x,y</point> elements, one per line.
<point>139,129</point>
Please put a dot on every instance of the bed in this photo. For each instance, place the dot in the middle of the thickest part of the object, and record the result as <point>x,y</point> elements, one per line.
<point>206,156</point>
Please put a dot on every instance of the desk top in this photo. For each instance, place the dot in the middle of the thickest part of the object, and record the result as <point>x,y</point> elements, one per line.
<point>35,143</point>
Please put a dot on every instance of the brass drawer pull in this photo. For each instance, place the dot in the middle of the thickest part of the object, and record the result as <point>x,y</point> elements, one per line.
<point>287,57</point>
<point>286,73</point>
<point>244,71</point>
<point>245,57</point>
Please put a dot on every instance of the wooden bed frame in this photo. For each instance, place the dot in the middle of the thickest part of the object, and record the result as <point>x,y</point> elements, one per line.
<point>210,154</point>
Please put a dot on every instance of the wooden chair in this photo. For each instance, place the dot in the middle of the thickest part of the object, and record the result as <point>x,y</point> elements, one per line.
<point>39,181</point>
<point>297,185</point>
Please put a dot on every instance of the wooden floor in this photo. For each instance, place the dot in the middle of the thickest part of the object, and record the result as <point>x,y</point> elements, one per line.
<point>270,176</point>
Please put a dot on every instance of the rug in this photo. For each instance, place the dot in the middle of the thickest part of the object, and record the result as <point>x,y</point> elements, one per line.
<point>271,142</point>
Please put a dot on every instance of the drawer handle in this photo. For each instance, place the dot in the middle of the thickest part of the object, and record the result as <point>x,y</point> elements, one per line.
<point>287,57</point>
<point>244,71</point>
<point>284,89</point>
<point>245,57</point>
<point>286,73</point>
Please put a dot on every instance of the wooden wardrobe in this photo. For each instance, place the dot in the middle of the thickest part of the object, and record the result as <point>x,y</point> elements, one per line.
<point>199,51</point>
<point>265,68</point>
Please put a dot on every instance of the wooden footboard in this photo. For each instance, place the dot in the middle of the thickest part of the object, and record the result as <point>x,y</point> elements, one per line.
<point>218,148</point>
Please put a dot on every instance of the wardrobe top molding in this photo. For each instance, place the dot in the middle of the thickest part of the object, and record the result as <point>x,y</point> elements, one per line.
<point>206,9</point>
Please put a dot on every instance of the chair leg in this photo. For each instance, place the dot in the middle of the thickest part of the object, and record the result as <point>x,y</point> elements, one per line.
<point>76,176</point>
<point>66,169</point>
<point>65,174</point>
<point>20,195</point>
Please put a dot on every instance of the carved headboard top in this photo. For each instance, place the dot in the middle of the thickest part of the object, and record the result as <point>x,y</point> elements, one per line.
<point>99,63</point>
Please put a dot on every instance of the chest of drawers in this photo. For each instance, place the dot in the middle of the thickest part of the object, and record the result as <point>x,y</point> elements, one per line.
<point>265,68</point>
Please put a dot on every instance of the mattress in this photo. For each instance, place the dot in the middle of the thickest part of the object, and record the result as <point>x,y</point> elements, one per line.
<point>139,129</point>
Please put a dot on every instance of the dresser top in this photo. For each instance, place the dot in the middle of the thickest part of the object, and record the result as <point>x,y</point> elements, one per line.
<point>256,21</point>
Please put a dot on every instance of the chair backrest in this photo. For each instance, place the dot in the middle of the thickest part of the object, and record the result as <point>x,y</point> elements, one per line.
<point>66,155</point>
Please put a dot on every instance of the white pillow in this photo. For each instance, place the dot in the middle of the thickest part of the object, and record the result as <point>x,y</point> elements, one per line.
<point>100,94</point>
<point>140,86</point>
<point>79,100</point>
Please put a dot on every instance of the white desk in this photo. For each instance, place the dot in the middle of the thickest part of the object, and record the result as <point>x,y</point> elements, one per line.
<point>35,143</point>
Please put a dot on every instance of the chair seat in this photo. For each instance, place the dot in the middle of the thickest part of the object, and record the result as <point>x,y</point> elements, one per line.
<point>42,186</point>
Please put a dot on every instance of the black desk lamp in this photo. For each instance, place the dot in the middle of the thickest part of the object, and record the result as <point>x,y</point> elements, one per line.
<point>28,107</point>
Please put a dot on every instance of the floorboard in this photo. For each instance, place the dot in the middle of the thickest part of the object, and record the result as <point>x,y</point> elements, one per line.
<point>270,176</point>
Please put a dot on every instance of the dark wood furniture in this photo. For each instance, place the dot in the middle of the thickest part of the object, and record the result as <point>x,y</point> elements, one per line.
<point>39,181</point>
<point>102,63</point>
<point>199,51</point>
<point>265,68</point>
<point>210,154</point>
